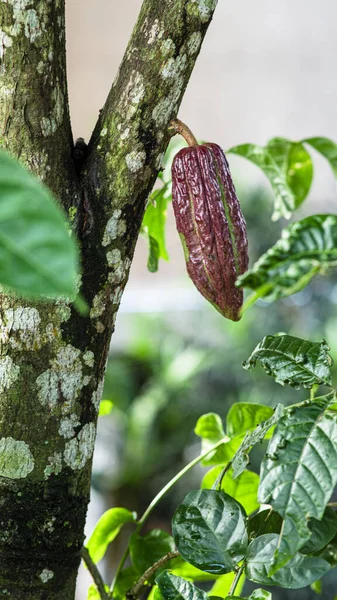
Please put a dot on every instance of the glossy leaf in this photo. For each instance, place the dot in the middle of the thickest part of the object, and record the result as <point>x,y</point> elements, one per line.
<point>243,417</point>
<point>322,532</point>
<point>260,595</point>
<point>223,584</point>
<point>299,473</point>
<point>241,458</point>
<point>209,529</point>
<point>209,428</point>
<point>291,360</point>
<point>299,572</point>
<point>265,521</point>
<point>38,257</point>
<point>327,148</point>
<point>146,550</point>
<point>243,488</point>
<point>175,588</point>
<point>153,227</point>
<point>305,248</point>
<point>107,528</point>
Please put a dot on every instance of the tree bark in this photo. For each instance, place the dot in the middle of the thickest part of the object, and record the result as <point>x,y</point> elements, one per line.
<point>52,360</point>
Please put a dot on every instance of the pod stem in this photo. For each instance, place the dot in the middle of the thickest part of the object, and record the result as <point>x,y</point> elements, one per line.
<point>178,126</point>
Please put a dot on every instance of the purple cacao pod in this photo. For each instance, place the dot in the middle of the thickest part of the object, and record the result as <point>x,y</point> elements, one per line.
<point>211,225</point>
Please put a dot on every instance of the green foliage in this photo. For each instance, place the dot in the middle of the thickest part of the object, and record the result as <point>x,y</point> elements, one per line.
<point>243,489</point>
<point>106,529</point>
<point>299,473</point>
<point>209,529</point>
<point>322,532</point>
<point>293,361</point>
<point>209,427</point>
<point>175,588</point>
<point>243,417</point>
<point>153,227</point>
<point>306,248</point>
<point>146,550</point>
<point>327,148</point>
<point>38,257</point>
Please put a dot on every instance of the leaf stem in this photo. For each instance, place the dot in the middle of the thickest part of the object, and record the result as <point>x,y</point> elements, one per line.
<point>137,588</point>
<point>95,574</point>
<point>157,499</point>
<point>178,126</point>
<point>217,484</point>
<point>236,579</point>
<point>255,296</point>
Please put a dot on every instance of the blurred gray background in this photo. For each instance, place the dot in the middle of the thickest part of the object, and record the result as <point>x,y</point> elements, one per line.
<point>267,68</point>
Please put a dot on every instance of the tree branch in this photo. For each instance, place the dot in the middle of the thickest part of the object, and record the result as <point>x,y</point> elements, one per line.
<point>95,574</point>
<point>137,588</point>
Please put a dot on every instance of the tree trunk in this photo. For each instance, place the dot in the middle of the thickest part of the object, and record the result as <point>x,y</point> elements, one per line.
<point>52,360</point>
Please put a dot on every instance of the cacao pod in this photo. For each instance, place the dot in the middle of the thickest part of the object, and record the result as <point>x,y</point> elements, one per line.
<point>211,225</point>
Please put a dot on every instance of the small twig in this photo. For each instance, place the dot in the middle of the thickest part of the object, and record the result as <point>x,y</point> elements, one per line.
<point>178,126</point>
<point>150,571</point>
<point>236,579</point>
<point>217,484</point>
<point>95,574</point>
<point>332,504</point>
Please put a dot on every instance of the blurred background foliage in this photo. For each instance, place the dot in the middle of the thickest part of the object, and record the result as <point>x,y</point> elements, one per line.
<point>180,364</point>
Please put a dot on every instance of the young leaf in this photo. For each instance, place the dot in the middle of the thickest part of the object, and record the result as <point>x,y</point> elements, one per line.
<point>209,428</point>
<point>299,473</point>
<point>326,147</point>
<point>181,568</point>
<point>125,581</point>
<point>291,360</point>
<point>243,417</point>
<point>285,201</point>
<point>93,593</point>
<point>146,550</point>
<point>305,248</point>
<point>176,588</point>
<point>153,227</point>
<point>106,530</point>
<point>243,489</point>
<point>38,257</point>
<point>299,572</point>
<point>295,164</point>
<point>241,458</point>
<point>223,584</point>
<point>209,529</point>
<point>322,532</point>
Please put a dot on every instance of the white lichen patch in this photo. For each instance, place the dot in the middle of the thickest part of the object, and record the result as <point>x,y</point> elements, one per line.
<point>156,33</point>
<point>115,227</point>
<point>194,43</point>
<point>9,373</point>
<point>68,425</point>
<point>46,575</point>
<point>117,295</point>
<point>54,465</point>
<point>132,95</point>
<point>80,449</point>
<point>135,160</point>
<point>26,19</point>
<point>98,305</point>
<point>125,134</point>
<point>16,459</point>
<point>205,8</point>
<point>50,124</point>
<point>97,395</point>
<point>5,42</point>
<point>168,47</point>
<point>20,328</point>
<point>89,358</point>
<point>120,268</point>
<point>104,131</point>
<point>174,66</point>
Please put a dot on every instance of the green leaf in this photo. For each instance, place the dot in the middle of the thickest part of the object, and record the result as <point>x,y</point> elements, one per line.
<point>153,227</point>
<point>285,200</point>
<point>243,489</point>
<point>291,360</point>
<point>305,248</point>
<point>266,521</point>
<point>243,417</point>
<point>105,408</point>
<point>241,458</point>
<point>260,595</point>
<point>126,580</point>
<point>322,532</point>
<point>93,593</point>
<point>38,257</point>
<point>223,585</point>
<point>326,147</point>
<point>176,588</point>
<point>181,568</point>
<point>146,550</point>
<point>296,165</point>
<point>107,528</point>
<point>299,473</point>
<point>299,572</point>
<point>317,586</point>
<point>209,428</point>
<point>209,529</point>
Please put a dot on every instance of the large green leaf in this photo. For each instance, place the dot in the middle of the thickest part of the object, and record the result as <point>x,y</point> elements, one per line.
<point>326,147</point>
<point>146,550</point>
<point>209,427</point>
<point>223,584</point>
<point>153,227</point>
<point>322,532</point>
<point>241,458</point>
<point>299,572</point>
<point>106,530</point>
<point>299,473</point>
<point>176,588</point>
<point>305,248</point>
<point>184,569</point>
<point>38,257</point>
<point>243,417</point>
<point>291,360</point>
<point>243,488</point>
<point>209,529</point>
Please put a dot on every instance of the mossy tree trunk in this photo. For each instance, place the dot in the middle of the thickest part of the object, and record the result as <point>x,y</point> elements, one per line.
<point>52,361</point>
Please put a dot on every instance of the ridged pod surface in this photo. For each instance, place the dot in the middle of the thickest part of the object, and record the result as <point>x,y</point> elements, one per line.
<point>211,225</point>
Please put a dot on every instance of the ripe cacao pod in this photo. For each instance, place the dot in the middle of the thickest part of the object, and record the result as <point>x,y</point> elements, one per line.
<point>211,225</point>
